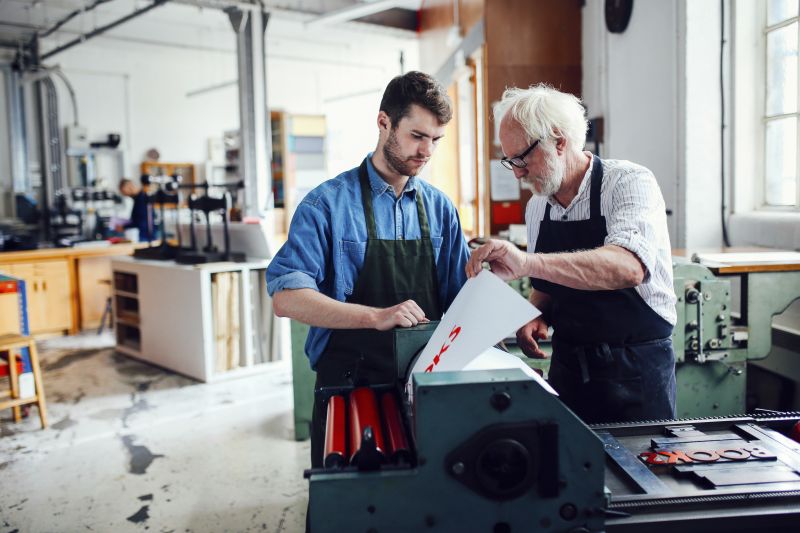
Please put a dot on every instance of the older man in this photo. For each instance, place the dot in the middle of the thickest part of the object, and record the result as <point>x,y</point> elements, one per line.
<point>600,262</point>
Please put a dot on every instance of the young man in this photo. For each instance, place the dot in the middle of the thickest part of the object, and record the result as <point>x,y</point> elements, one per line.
<point>601,263</point>
<point>373,249</point>
<point>141,212</point>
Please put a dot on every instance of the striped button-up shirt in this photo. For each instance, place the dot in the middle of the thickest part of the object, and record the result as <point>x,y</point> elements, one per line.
<point>636,220</point>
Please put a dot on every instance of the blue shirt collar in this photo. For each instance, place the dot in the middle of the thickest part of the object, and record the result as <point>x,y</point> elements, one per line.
<point>379,186</point>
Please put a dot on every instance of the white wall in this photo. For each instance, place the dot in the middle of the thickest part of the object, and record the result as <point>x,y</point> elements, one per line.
<point>135,81</point>
<point>657,85</point>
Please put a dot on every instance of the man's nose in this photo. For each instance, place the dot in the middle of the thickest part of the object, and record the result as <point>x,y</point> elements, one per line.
<point>520,173</point>
<point>426,148</point>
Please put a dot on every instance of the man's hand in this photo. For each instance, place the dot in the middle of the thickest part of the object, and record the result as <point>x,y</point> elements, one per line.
<point>405,315</point>
<point>527,336</point>
<point>505,259</point>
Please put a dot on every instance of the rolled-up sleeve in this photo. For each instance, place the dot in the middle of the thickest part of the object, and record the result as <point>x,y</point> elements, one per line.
<point>633,221</point>
<point>302,261</point>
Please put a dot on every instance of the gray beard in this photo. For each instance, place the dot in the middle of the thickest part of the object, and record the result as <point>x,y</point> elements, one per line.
<point>551,180</point>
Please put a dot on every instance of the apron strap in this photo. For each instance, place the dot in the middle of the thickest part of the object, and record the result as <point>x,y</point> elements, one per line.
<point>597,181</point>
<point>366,200</point>
<point>424,227</point>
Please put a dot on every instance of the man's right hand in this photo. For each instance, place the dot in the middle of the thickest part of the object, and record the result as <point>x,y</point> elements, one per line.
<point>404,315</point>
<point>505,260</point>
<point>529,334</point>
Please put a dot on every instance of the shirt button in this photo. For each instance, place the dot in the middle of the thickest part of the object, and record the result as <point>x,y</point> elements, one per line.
<point>563,217</point>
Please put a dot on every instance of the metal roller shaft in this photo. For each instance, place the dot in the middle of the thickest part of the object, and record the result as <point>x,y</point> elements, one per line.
<point>335,453</point>
<point>396,441</point>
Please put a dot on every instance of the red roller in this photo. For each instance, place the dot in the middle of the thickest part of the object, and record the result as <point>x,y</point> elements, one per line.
<point>396,441</point>
<point>335,453</point>
<point>795,434</point>
<point>363,414</point>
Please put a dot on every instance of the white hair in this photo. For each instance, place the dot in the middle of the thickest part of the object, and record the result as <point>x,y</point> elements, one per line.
<point>545,113</point>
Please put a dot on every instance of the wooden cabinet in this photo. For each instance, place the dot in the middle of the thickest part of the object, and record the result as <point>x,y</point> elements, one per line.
<point>94,282</point>
<point>9,313</point>
<point>48,294</point>
<point>66,288</point>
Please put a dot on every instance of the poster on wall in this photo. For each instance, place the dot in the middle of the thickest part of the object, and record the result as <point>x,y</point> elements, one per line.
<point>505,187</point>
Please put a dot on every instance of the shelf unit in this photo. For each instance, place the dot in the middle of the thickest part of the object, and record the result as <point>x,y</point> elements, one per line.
<point>160,168</point>
<point>208,322</point>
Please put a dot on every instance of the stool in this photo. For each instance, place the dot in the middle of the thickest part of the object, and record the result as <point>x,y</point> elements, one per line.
<point>8,345</point>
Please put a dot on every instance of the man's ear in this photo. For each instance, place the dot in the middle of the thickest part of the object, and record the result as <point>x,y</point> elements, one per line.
<point>561,145</point>
<point>384,122</point>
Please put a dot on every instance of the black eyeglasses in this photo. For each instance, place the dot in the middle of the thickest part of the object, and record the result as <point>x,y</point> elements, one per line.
<point>518,161</point>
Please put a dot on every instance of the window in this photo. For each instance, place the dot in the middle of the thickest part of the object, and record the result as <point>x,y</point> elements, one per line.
<point>781,112</point>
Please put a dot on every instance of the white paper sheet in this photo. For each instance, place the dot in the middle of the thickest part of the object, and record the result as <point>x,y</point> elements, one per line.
<point>484,312</point>
<point>494,359</point>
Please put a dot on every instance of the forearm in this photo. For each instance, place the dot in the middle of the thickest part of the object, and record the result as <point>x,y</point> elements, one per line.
<point>316,309</point>
<point>606,268</point>
<point>541,300</point>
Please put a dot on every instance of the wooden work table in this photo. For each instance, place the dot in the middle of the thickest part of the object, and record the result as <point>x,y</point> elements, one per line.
<point>742,260</point>
<point>67,288</point>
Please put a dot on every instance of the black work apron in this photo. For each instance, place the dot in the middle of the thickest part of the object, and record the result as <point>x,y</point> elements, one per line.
<point>394,271</point>
<point>612,354</point>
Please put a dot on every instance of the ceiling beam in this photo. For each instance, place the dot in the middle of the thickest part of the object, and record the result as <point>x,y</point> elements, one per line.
<point>353,12</point>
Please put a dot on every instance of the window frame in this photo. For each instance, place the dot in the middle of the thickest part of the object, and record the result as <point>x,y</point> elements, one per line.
<point>765,118</point>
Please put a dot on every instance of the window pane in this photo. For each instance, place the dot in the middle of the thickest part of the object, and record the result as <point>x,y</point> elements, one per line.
<point>778,10</point>
<point>781,167</point>
<point>782,71</point>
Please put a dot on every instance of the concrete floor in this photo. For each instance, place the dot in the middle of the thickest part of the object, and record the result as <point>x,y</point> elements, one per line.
<point>132,447</point>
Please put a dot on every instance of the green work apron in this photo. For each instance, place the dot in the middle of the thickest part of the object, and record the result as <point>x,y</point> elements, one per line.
<point>394,271</point>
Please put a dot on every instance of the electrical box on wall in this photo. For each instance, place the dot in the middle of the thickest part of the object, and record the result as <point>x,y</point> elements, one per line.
<point>76,137</point>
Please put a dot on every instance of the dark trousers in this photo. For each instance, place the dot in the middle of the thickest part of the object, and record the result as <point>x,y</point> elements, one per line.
<point>624,383</point>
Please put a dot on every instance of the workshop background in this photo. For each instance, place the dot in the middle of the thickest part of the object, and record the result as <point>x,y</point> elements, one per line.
<point>151,389</point>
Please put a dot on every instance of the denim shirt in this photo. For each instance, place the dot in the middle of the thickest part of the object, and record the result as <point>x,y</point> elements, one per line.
<point>328,240</point>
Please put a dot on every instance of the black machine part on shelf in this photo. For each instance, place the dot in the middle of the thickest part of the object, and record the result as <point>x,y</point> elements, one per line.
<point>207,204</point>
<point>504,461</point>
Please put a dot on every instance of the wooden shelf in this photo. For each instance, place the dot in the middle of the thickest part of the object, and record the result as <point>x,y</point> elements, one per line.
<point>128,319</point>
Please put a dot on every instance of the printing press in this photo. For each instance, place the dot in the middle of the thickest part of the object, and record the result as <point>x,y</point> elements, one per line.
<point>493,451</point>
